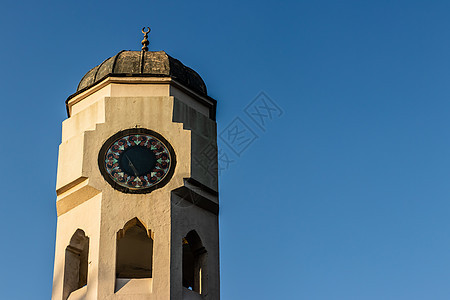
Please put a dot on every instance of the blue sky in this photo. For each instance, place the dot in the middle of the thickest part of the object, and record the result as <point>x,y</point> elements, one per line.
<point>346,195</point>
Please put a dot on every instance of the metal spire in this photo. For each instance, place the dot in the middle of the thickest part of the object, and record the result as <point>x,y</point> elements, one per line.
<point>145,41</point>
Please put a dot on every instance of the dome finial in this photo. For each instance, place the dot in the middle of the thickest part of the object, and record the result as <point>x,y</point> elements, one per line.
<point>145,41</point>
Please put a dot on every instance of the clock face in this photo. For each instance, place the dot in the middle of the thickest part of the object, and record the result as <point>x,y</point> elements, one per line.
<point>137,161</point>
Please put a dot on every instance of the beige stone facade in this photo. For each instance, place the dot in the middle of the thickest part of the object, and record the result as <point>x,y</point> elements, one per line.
<point>93,216</point>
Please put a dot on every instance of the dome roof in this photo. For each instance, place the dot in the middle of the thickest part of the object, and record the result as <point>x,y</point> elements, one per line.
<point>143,63</point>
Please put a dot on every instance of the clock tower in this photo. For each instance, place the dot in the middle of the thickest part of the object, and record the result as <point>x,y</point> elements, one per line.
<point>137,191</point>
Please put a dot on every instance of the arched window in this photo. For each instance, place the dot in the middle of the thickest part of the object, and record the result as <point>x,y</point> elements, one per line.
<point>134,251</point>
<point>194,263</point>
<point>76,263</point>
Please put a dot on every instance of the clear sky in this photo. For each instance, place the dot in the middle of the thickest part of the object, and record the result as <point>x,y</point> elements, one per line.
<point>343,194</point>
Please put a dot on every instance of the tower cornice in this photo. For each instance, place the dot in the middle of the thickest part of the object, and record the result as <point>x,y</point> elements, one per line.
<point>205,100</point>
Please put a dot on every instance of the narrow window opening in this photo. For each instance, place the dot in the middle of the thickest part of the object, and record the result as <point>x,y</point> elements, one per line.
<point>76,263</point>
<point>194,263</point>
<point>134,251</point>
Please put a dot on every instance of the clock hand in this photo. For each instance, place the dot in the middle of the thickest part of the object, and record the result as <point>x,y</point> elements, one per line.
<point>131,165</point>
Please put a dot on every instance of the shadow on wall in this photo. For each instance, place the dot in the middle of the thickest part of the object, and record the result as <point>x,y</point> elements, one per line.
<point>191,295</point>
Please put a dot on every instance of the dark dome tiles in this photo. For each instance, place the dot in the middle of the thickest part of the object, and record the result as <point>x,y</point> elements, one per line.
<point>88,79</point>
<point>156,63</point>
<point>105,68</point>
<point>137,63</point>
<point>128,62</point>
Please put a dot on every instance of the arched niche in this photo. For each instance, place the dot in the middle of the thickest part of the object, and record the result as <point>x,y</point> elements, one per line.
<point>194,263</point>
<point>134,251</point>
<point>76,263</point>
